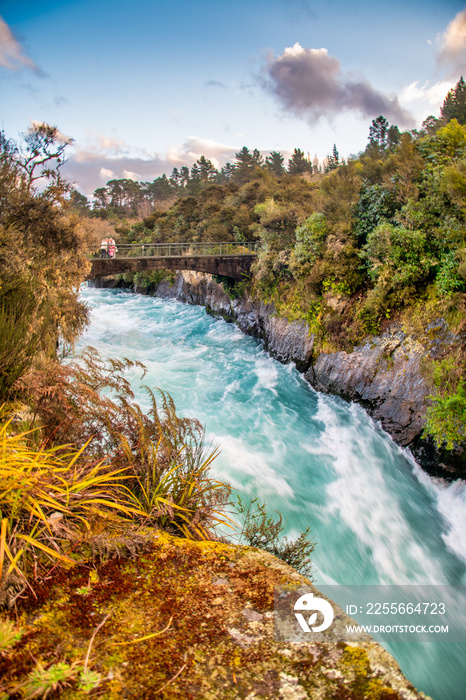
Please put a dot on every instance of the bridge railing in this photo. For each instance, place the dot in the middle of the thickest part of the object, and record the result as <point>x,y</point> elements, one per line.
<point>164,250</point>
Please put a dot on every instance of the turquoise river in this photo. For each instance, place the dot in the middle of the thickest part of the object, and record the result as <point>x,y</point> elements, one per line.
<point>375,515</point>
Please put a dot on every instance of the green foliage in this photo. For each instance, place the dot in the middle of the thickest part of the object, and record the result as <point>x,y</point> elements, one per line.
<point>447,280</point>
<point>89,680</point>
<point>23,330</point>
<point>9,635</point>
<point>151,280</point>
<point>453,182</point>
<point>48,497</point>
<point>298,163</point>
<point>340,191</point>
<point>397,256</point>
<point>378,132</point>
<point>333,161</point>
<point>264,531</point>
<point>234,288</point>
<point>342,288</point>
<point>278,222</point>
<point>43,682</point>
<point>39,157</point>
<point>310,238</point>
<point>376,204</point>
<point>446,417</point>
<point>42,256</point>
<point>275,163</point>
<point>449,142</point>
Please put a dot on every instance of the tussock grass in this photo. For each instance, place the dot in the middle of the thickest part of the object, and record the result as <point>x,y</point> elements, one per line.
<point>47,500</point>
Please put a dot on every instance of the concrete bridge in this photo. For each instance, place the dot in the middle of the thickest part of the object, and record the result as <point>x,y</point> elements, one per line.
<point>228,259</point>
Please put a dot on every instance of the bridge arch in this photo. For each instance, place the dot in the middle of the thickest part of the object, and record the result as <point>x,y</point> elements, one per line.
<point>228,265</point>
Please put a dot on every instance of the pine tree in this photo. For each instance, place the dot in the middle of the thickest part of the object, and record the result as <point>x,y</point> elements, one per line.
<point>175,178</point>
<point>195,174</point>
<point>207,170</point>
<point>298,164</point>
<point>393,137</point>
<point>257,158</point>
<point>244,165</point>
<point>454,105</point>
<point>333,161</point>
<point>226,173</point>
<point>378,133</point>
<point>184,176</point>
<point>275,163</point>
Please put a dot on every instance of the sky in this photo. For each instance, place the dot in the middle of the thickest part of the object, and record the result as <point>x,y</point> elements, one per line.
<point>147,85</point>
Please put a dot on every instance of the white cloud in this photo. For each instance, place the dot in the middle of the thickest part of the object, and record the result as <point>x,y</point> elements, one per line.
<point>102,142</point>
<point>452,51</point>
<point>434,95</point>
<point>425,99</point>
<point>12,55</point>
<point>105,173</point>
<point>194,148</point>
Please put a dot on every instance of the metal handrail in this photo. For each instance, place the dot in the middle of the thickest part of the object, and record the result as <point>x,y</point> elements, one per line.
<point>203,248</point>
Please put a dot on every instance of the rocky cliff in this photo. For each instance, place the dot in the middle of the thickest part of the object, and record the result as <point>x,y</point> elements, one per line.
<point>384,373</point>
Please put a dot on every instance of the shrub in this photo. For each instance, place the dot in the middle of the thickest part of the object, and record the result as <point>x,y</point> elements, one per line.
<point>397,256</point>
<point>376,204</point>
<point>310,238</point>
<point>446,417</point>
<point>447,280</point>
<point>264,531</point>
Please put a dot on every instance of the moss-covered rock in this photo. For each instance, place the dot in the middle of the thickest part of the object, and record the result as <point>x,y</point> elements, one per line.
<point>181,619</point>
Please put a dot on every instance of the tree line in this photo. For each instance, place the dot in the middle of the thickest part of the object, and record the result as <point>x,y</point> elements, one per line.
<point>126,197</point>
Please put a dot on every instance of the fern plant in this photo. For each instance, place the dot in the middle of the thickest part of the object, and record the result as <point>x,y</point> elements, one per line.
<point>166,461</point>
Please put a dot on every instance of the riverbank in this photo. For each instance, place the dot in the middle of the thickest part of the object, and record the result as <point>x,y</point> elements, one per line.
<point>384,374</point>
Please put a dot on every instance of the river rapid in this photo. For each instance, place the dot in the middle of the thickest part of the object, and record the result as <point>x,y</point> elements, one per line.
<point>375,515</point>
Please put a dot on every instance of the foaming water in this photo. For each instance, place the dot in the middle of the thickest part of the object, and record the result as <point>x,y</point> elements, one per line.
<point>376,516</point>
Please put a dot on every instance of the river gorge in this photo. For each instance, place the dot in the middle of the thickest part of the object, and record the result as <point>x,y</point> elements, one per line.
<point>375,515</point>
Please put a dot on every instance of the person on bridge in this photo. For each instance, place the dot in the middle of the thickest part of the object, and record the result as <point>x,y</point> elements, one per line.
<point>104,248</point>
<point>112,249</point>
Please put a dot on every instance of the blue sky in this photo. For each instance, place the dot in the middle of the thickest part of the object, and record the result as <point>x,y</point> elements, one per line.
<point>144,86</point>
